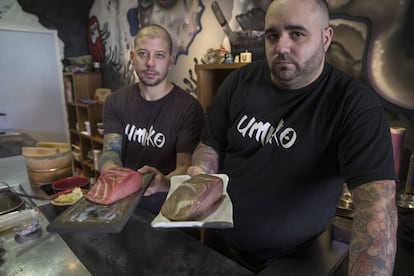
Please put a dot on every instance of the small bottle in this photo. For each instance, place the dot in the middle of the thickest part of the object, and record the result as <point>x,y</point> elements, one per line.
<point>229,58</point>
<point>68,90</point>
<point>96,66</point>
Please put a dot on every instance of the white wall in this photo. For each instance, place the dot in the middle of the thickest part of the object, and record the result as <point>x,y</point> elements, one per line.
<point>31,89</point>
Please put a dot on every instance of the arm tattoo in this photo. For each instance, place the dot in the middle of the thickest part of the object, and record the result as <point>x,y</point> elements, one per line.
<point>373,245</point>
<point>206,158</point>
<point>112,148</point>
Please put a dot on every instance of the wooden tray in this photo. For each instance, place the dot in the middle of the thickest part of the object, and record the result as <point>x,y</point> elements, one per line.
<point>85,216</point>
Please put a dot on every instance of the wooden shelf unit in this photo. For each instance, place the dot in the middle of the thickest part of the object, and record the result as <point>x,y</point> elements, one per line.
<point>210,77</point>
<point>81,86</point>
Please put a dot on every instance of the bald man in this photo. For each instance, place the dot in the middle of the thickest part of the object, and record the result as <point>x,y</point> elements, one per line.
<point>153,125</point>
<point>290,131</point>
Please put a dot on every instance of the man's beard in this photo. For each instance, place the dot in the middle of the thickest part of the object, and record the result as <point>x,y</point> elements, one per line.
<point>282,72</point>
<point>153,81</point>
<point>297,76</point>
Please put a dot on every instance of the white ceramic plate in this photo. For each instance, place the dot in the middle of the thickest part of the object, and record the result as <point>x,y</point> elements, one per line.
<point>222,217</point>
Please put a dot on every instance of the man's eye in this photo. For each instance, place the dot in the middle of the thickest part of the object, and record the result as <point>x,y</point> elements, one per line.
<point>142,54</point>
<point>271,37</point>
<point>297,35</point>
<point>160,56</point>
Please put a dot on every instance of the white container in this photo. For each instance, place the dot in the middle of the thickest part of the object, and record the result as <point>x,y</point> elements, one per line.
<point>13,219</point>
<point>96,156</point>
<point>88,127</point>
<point>246,57</point>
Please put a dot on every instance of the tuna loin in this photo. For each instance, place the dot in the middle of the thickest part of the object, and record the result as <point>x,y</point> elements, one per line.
<point>194,199</point>
<point>115,184</point>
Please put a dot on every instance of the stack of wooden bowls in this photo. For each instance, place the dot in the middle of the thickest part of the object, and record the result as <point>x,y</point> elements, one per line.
<point>48,162</point>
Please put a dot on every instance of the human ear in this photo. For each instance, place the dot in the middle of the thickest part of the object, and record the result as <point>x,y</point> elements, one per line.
<point>327,37</point>
<point>172,60</point>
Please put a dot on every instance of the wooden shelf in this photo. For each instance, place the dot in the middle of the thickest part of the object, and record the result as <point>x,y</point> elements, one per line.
<point>210,77</point>
<point>81,86</point>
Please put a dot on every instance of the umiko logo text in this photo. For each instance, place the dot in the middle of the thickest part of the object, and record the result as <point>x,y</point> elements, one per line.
<point>265,133</point>
<point>146,137</point>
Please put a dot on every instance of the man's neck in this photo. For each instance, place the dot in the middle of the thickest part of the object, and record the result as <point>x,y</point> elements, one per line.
<point>153,93</point>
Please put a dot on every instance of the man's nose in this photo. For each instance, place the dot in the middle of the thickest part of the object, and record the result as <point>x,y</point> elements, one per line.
<point>284,44</point>
<point>150,60</point>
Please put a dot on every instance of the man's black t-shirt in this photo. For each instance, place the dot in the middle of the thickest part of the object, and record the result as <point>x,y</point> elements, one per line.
<point>153,132</point>
<point>288,153</point>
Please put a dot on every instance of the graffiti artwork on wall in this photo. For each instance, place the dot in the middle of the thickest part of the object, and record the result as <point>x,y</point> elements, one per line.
<point>348,50</point>
<point>96,38</point>
<point>370,41</point>
<point>247,33</point>
<point>373,41</point>
<point>121,20</point>
<point>374,37</point>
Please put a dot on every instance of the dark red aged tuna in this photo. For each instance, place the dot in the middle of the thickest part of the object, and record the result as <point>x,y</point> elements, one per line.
<point>115,184</point>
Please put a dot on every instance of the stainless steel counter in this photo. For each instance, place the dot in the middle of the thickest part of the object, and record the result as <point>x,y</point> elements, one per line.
<point>46,255</point>
<point>139,249</point>
<point>13,171</point>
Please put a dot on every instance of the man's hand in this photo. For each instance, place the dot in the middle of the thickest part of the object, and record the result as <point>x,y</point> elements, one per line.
<point>204,160</point>
<point>160,183</point>
<point>194,170</point>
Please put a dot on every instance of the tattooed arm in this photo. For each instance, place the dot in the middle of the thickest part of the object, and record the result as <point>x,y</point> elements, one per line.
<point>204,160</point>
<point>373,244</point>
<point>111,154</point>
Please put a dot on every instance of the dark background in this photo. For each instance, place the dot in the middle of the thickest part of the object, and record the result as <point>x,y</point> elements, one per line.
<point>68,17</point>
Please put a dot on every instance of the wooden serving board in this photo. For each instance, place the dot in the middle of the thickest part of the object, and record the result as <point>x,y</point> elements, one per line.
<point>86,216</point>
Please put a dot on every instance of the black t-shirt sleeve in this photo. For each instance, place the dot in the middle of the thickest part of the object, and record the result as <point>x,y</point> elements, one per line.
<point>111,117</point>
<point>217,116</point>
<point>365,148</point>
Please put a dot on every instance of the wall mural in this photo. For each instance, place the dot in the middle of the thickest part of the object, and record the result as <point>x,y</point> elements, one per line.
<point>246,31</point>
<point>382,32</point>
<point>368,48</point>
<point>374,40</point>
<point>114,23</point>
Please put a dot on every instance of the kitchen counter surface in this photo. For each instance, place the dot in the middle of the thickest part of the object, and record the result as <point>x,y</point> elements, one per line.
<point>46,255</point>
<point>137,250</point>
<point>173,252</point>
<point>142,250</point>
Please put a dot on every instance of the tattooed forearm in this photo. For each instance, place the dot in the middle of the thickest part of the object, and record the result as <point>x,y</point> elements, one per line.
<point>373,245</point>
<point>111,154</point>
<point>206,158</point>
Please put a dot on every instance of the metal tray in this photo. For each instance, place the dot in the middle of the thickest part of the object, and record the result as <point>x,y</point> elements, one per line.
<point>86,216</point>
<point>9,203</point>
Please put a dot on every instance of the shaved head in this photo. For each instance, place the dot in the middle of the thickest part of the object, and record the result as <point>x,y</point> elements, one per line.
<point>297,35</point>
<point>154,31</point>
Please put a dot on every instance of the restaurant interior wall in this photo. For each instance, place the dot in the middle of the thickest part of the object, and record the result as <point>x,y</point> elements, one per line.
<point>115,24</point>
